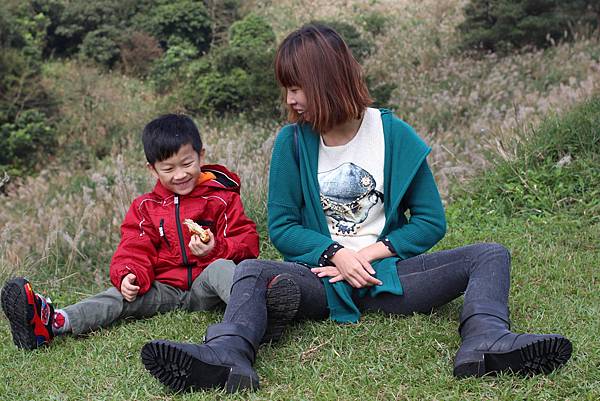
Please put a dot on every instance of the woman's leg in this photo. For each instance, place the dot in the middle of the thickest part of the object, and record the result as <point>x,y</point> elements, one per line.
<point>227,355</point>
<point>247,303</point>
<point>482,271</point>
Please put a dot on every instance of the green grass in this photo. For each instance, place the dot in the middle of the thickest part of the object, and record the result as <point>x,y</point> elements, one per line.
<point>554,289</point>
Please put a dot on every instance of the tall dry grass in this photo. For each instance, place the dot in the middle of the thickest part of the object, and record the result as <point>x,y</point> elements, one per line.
<point>66,220</point>
<point>463,106</point>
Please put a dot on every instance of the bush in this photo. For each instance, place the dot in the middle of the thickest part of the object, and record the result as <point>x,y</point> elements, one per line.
<point>239,75</point>
<point>138,51</point>
<point>25,142</point>
<point>172,22</point>
<point>72,21</point>
<point>168,69</point>
<point>374,22</point>
<point>101,46</point>
<point>500,25</point>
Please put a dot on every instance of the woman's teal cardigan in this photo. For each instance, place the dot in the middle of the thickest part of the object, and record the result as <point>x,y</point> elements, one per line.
<point>297,224</point>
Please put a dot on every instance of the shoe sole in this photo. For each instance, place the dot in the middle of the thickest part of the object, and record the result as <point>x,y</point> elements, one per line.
<point>181,371</point>
<point>283,300</point>
<point>540,357</point>
<point>15,307</point>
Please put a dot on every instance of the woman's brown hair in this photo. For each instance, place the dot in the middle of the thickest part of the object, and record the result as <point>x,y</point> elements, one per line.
<point>316,59</point>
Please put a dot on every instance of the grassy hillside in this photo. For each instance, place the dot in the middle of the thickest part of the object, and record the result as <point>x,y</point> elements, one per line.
<point>499,121</point>
<point>555,254</point>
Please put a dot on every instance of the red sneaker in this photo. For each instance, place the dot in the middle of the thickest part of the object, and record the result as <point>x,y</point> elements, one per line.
<point>29,314</point>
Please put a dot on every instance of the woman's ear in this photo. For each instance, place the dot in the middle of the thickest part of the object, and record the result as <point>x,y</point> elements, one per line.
<point>201,156</point>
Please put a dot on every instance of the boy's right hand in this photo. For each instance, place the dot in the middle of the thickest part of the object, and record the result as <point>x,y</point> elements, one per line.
<point>199,248</point>
<point>128,288</point>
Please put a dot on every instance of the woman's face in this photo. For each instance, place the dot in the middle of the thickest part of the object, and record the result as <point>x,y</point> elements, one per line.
<point>296,99</point>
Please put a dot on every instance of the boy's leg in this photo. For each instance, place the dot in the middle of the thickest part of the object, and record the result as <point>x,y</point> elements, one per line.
<point>105,308</point>
<point>212,287</point>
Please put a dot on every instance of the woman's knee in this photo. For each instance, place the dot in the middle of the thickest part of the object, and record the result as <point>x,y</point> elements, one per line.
<point>491,251</point>
<point>248,268</point>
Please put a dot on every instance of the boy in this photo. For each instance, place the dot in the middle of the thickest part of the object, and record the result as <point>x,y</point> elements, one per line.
<point>159,265</point>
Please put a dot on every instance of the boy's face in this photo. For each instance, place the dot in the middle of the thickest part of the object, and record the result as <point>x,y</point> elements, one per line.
<point>179,172</point>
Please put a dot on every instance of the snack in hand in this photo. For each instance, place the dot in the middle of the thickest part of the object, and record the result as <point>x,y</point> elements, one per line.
<point>195,228</point>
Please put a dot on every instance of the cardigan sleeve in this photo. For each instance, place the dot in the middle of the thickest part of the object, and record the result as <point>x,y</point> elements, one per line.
<point>427,223</point>
<point>287,230</point>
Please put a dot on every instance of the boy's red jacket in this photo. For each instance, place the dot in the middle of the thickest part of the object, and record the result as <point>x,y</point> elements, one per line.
<point>154,240</point>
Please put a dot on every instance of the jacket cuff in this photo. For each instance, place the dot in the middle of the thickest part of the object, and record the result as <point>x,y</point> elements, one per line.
<point>219,249</point>
<point>325,259</point>
<point>117,276</point>
<point>386,241</point>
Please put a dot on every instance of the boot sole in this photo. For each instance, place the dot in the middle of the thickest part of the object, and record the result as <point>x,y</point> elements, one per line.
<point>540,357</point>
<point>15,307</point>
<point>181,371</point>
<point>283,300</point>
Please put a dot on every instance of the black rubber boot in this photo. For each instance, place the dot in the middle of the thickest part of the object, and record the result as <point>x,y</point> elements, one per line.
<point>283,300</point>
<point>489,347</point>
<point>224,361</point>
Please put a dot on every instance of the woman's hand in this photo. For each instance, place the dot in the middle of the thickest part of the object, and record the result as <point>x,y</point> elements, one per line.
<point>199,248</point>
<point>353,268</point>
<point>375,251</point>
<point>129,289</point>
<point>328,271</point>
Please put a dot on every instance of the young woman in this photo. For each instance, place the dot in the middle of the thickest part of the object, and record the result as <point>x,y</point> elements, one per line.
<point>341,179</point>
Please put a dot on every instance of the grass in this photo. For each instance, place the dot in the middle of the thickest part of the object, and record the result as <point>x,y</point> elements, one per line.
<point>383,357</point>
<point>554,289</point>
<point>61,226</point>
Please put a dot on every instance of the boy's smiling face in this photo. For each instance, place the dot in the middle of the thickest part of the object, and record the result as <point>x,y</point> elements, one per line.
<point>179,172</point>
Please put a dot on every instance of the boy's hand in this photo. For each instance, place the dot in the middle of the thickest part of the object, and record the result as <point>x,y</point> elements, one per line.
<point>198,247</point>
<point>128,288</point>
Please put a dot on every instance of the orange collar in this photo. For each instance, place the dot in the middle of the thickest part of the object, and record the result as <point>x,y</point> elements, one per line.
<point>205,177</point>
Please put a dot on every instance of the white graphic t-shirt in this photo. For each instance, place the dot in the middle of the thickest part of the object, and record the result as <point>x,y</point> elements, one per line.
<point>351,184</point>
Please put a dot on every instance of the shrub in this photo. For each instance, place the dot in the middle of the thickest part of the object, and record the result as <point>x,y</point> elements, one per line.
<point>72,21</point>
<point>374,22</point>
<point>101,46</point>
<point>25,142</point>
<point>168,69</point>
<point>499,25</point>
<point>239,75</point>
<point>138,51</point>
<point>172,22</point>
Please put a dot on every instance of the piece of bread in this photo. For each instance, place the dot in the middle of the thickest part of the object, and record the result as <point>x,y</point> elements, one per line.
<point>195,228</point>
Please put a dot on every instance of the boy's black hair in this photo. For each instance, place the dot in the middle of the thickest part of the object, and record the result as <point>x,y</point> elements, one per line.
<point>165,135</point>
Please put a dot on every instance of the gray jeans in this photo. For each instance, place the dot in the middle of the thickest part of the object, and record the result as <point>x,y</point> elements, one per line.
<point>481,272</point>
<point>211,288</point>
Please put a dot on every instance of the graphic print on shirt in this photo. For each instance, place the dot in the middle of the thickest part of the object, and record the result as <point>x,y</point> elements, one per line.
<point>347,194</point>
